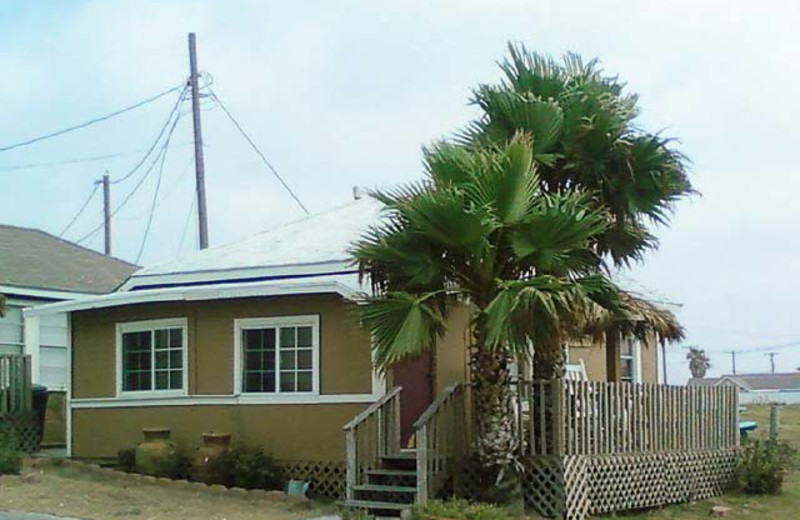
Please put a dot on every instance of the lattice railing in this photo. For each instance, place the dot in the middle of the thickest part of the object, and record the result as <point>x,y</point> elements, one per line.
<point>372,434</point>
<point>442,440</point>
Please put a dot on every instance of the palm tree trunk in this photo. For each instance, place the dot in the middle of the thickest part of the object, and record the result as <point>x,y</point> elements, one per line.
<point>496,438</point>
<point>548,360</point>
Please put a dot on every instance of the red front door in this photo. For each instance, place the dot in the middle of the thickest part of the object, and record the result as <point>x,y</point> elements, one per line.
<point>415,375</point>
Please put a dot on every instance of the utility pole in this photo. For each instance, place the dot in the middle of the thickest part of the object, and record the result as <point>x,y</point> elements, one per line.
<point>199,163</point>
<point>772,359</point>
<point>733,360</point>
<point>107,212</point>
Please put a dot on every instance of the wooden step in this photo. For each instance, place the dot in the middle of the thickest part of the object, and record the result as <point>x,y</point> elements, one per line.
<point>393,472</point>
<point>380,488</point>
<point>374,505</point>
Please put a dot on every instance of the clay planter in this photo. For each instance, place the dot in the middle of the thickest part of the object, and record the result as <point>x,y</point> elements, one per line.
<point>157,455</point>
<point>214,445</point>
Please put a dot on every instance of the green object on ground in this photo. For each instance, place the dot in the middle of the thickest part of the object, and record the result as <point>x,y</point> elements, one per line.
<point>297,487</point>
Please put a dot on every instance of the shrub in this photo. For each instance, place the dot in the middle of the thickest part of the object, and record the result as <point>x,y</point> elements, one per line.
<point>126,460</point>
<point>462,510</point>
<point>247,467</point>
<point>10,457</point>
<point>762,467</point>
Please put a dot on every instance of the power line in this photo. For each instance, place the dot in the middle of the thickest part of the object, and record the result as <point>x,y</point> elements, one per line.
<point>138,184</point>
<point>80,211</point>
<point>260,154</point>
<point>155,194</point>
<point>91,121</point>
<point>186,225</point>
<point>175,109</point>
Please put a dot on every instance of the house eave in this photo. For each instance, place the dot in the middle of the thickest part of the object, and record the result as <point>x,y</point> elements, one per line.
<point>283,287</point>
<point>145,280</point>
<point>40,293</point>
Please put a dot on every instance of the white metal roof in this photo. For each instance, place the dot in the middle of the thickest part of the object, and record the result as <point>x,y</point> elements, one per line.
<point>317,244</point>
<point>345,285</point>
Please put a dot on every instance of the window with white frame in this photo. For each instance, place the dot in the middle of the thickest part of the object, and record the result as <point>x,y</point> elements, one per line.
<point>152,356</point>
<point>629,361</point>
<point>278,355</point>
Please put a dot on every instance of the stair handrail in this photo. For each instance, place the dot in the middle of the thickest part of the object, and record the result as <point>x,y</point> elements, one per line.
<point>441,438</point>
<point>372,434</point>
<point>371,409</point>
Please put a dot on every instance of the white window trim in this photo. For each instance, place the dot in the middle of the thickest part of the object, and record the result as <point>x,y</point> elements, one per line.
<point>636,358</point>
<point>242,324</point>
<point>141,326</point>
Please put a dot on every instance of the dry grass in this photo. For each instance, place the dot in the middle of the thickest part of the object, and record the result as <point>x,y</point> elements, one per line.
<point>71,492</point>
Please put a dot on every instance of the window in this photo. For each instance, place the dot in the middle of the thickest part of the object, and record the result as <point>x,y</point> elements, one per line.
<point>278,355</point>
<point>629,360</point>
<point>152,356</point>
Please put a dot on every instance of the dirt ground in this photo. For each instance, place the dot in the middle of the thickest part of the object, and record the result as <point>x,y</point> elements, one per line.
<point>71,492</point>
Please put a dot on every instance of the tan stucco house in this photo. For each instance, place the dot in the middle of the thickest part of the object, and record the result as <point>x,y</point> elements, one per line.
<point>256,338</point>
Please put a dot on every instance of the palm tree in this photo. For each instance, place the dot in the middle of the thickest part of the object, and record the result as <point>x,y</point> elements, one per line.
<point>699,362</point>
<point>480,231</point>
<point>585,138</point>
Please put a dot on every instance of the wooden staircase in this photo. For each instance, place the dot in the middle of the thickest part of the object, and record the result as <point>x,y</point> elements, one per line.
<point>384,479</point>
<point>390,488</point>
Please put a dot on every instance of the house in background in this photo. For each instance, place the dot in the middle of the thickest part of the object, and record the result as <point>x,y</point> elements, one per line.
<point>38,268</point>
<point>781,388</point>
<point>256,338</point>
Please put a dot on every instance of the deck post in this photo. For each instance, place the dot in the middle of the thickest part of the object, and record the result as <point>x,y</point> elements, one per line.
<point>352,464</point>
<point>422,464</point>
<point>558,417</point>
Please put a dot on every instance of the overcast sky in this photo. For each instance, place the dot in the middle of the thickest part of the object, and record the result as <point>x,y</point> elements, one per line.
<point>345,93</point>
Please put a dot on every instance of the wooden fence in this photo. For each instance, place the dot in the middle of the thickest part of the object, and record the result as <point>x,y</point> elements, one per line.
<point>595,447</point>
<point>15,384</point>
<point>593,417</point>
<point>17,417</point>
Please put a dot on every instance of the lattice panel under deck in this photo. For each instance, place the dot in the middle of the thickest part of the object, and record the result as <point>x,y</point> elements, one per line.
<point>327,478</point>
<point>636,481</point>
<point>25,429</point>
<point>543,485</point>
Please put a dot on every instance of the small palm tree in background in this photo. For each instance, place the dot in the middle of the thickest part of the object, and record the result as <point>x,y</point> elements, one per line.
<point>478,231</point>
<point>699,363</point>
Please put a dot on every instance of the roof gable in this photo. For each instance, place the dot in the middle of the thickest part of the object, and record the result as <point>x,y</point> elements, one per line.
<point>34,259</point>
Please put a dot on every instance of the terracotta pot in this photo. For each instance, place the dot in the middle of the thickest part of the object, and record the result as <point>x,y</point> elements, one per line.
<point>157,454</point>
<point>214,445</point>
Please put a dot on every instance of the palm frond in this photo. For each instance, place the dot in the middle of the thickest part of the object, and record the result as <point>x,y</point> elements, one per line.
<point>402,324</point>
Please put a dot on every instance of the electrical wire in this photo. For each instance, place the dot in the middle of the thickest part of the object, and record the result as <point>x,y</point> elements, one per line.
<point>91,121</point>
<point>80,211</point>
<point>175,109</point>
<point>81,160</point>
<point>136,187</point>
<point>253,145</point>
<point>186,225</point>
<point>155,194</point>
